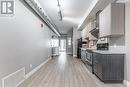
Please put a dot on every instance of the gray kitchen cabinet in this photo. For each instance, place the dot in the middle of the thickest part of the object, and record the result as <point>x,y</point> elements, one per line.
<point>112,20</point>
<point>109,67</point>
<point>83,55</point>
<point>97,65</point>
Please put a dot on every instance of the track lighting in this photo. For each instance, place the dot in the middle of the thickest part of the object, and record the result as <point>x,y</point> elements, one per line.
<point>60,15</point>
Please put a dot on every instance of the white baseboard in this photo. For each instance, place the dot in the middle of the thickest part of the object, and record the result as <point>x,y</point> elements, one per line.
<point>74,55</point>
<point>20,82</point>
<point>69,53</point>
<point>55,55</point>
<point>18,77</point>
<point>12,80</point>
<point>36,69</point>
<point>126,83</point>
<point>122,1</point>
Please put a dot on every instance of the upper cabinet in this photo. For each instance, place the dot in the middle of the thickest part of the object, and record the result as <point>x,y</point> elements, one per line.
<point>112,20</point>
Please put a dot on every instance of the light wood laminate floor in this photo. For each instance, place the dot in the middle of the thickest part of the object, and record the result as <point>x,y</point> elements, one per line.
<point>65,71</point>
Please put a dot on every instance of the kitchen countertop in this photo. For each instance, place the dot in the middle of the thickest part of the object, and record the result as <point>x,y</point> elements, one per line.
<point>108,52</point>
<point>111,51</point>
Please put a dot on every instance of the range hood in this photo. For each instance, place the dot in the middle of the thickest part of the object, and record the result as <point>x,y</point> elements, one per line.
<point>35,7</point>
<point>95,30</point>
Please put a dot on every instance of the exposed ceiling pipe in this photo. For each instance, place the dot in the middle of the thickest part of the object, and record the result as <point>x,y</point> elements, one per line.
<point>60,15</point>
<point>39,11</point>
<point>58,3</point>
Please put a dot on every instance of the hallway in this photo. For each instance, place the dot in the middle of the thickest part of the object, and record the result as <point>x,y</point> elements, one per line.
<point>56,43</point>
<point>65,71</point>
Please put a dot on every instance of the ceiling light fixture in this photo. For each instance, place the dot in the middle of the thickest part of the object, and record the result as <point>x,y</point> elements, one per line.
<point>60,15</point>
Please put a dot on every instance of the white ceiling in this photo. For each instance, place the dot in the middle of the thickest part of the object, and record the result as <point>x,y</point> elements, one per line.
<point>72,10</point>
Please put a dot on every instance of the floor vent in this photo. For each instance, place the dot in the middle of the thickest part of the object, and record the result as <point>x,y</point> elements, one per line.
<point>14,79</point>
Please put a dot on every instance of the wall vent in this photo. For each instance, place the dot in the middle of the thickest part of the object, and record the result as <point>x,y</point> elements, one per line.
<point>14,79</point>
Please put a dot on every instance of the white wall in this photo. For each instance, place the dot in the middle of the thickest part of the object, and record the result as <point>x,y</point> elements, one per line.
<point>76,35</point>
<point>127,39</point>
<point>22,41</point>
<point>69,48</point>
<point>119,41</point>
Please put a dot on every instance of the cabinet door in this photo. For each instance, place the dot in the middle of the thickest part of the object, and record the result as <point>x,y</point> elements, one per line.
<point>101,58</point>
<point>105,22</point>
<point>86,56</point>
<point>114,67</point>
<point>112,20</point>
<point>97,65</point>
<point>117,19</point>
<point>81,54</point>
<point>95,62</point>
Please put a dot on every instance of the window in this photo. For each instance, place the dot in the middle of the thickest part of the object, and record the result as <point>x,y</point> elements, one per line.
<point>55,43</point>
<point>69,41</point>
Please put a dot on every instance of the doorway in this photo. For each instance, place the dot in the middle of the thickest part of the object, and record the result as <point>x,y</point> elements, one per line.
<point>62,45</point>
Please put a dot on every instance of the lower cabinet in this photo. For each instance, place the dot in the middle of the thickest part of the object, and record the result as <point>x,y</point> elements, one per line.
<point>97,65</point>
<point>83,55</point>
<point>109,67</point>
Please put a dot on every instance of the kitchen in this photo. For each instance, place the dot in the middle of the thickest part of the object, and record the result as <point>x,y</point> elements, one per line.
<point>65,43</point>
<point>101,47</point>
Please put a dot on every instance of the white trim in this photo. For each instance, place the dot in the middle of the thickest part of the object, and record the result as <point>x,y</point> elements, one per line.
<point>74,55</point>
<point>36,69</point>
<point>12,74</point>
<point>127,0</point>
<point>122,1</point>
<point>69,53</point>
<point>20,82</point>
<point>55,55</point>
<point>126,83</point>
<point>25,76</point>
<point>92,5</point>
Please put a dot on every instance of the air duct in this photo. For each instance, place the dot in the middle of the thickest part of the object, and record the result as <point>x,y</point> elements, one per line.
<point>35,6</point>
